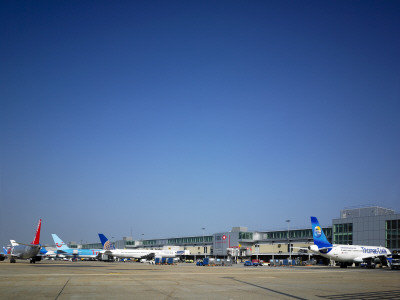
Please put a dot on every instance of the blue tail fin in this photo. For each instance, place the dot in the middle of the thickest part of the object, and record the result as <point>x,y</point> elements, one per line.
<point>107,245</point>
<point>59,243</point>
<point>318,234</point>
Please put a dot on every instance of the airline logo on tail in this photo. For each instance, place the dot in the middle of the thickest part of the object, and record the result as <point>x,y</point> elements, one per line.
<point>107,245</point>
<point>317,231</point>
<point>319,237</point>
<point>59,243</point>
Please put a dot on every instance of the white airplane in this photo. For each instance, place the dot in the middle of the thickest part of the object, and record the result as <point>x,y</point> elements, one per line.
<point>4,254</point>
<point>109,249</point>
<point>346,255</point>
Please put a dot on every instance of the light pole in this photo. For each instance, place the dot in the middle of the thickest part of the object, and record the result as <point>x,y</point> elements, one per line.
<point>273,251</point>
<point>204,245</point>
<point>288,231</point>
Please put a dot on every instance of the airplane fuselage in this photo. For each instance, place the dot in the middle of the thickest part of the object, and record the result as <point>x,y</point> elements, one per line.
<point>24,252</point>
<point>133,253</point>
<point>80,253</point>
<point>351,253</point>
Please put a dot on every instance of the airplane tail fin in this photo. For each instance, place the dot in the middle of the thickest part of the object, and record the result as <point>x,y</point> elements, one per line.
<point>107,245</point>
<point>13,243</point>
<point>59,243</point>
<point>37,236</point>
<point>318,234</point>
<point>5,250</point>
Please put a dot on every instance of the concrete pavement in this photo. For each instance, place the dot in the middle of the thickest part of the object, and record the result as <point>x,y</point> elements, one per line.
<point>101,280</point>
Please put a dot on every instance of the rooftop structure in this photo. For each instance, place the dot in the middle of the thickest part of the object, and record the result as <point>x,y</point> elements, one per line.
<point>365,211</point>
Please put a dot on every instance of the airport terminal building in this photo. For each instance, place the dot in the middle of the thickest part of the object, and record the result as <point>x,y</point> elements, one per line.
<point>373,225</point>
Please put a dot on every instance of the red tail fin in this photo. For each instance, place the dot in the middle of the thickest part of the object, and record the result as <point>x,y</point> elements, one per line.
<point>37,236</point>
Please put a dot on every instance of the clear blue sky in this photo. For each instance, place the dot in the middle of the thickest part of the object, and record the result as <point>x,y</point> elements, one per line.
<point>163,117</point>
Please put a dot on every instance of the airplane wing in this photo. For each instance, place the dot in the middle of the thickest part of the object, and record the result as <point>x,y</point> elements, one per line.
<point>149,256</point>
<point>300,248</point>
<point>370,258</point>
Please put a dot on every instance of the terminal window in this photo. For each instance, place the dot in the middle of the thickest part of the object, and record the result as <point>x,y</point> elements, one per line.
<point>393,234</point>
<point>245,235</point>
<point>343,234</point>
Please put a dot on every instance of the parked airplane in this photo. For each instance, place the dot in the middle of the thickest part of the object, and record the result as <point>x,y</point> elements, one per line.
<point>346,255</point>
<point>50,253</point>
<point>4,254</point>
<point>109,250</point>
<point>63,249</point>
<point>26,251</point>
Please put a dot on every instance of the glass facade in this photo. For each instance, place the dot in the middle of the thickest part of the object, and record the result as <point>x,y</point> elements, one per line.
<point>92,246</point>
<point>393,234</point>
<point>149,242</point>
<point>180,241</point>
<point>245,236</point>
<point>190,240</point>
<point>295,234</point>
<point>343,234</point>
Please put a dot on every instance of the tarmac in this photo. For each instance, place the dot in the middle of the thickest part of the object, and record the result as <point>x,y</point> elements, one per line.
<point>118,280</point>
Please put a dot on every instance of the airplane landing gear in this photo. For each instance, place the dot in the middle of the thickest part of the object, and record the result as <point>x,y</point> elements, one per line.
<point>371,266</point>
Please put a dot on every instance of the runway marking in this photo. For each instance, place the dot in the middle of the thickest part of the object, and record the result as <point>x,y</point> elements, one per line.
<point>62,289</point>
<point>267,289</point>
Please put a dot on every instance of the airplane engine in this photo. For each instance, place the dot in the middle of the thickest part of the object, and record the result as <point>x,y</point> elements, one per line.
<point>149,256</point>
<point>38,258</point>
<point>313,248</point>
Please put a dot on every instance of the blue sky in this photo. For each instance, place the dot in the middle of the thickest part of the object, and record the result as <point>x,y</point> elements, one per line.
<point>164,117</point>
